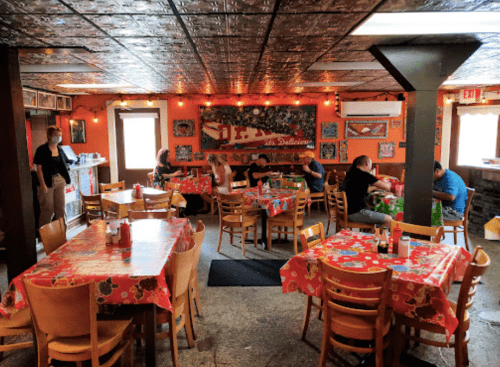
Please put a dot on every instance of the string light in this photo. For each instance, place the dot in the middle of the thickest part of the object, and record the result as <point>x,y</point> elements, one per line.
<point>337,104</point>
<point>149,102</point>
<point>448,99</point>
<point>71,121</point>
<point>96,120</point>
<point>239,103</point>
<point>208,103</point>
<point>180,103</point>
<point>297,101</point>
<point>122,101</point>
<point>483,100</point>
<point>268,102</point>
<point>327,101</point>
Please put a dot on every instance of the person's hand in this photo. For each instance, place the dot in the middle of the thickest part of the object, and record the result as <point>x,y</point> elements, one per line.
<point>306,168</point>
<point>177,173</point>
<point>45,189</point>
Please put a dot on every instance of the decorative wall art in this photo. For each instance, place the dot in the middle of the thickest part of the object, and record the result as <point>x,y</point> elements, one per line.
<point>329,130</point>
<point>63,103</point>
<point>328,150</point>
<point>29,98</point>
<point>439,120</point>
<point>386,149</point>
<point>199,156</point>
<point>46,101</point>
<point>439,110</point>
<point>257,127</point>
<point>235,157</point>
<point>77,130</point>
<point>245,159</point>
<point>438,135</point>
<point>343,157</point>
<point>396,123</point>
<point>184,153</point>
<point>366,129</point>
<point>183,128</point>
<point>343,146</point>
<point>223,157</point>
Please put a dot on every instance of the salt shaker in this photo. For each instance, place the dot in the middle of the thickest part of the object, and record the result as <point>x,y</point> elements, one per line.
<point>404,246</point>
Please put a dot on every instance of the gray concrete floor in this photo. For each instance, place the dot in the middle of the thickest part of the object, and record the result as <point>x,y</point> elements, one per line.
<point>261,326</point>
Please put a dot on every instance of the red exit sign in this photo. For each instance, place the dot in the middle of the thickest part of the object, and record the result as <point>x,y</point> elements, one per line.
<point>470,95</point>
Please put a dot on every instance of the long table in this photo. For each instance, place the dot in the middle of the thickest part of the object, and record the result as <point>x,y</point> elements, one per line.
<point>420,283</point>
<point>133,275</point>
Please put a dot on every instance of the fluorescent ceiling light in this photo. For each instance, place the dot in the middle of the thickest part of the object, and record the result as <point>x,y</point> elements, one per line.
<point>325,84</point>
<point>96,86</point>
<point>58,68</point>
<point>370,65</point>
<point>472,82</point>
<point>429,23</point>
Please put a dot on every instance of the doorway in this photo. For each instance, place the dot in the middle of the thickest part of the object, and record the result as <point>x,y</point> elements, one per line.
<point>138,139</point>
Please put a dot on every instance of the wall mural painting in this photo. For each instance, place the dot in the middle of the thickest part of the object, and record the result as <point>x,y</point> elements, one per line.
<point>366,129</point>
<point>329,130</point>
<point>386,149</point>
<point>257,127</point>
<point>328,150</point>
<point>184,153</point>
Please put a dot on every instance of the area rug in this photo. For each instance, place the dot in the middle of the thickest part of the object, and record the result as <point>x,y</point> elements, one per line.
<point>245,273</point>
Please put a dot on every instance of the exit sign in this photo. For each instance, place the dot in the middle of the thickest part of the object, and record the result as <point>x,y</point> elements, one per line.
<point>470,95</point>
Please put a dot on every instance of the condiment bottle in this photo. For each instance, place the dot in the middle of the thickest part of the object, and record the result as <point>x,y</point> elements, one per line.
<point>396,234</point>
<point>125,235</point>
<point>404,246</point>
<point>108,234</point>
<point>185,171</point>
<point>376,240</point>
<point>260,187</point>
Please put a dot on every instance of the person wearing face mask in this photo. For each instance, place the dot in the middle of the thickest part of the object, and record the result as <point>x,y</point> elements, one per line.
<point>52,171</point>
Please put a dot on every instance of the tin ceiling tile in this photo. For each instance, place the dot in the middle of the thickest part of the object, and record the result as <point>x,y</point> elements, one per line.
<point>430,5</point>
<point>248,25</point>
<point>33,6</point>
<point>199,7</point>
<point>45,59</point>
<point>301,44</point>
<point>245,44</point>
<point>250,6</point>
<point>312,24</point>
<point>316,75</point>
<point>284,57</point>
<point>355,56</point>
<point>315,6</point>
<point>119,25</point>
<point>211,45</point>
<point>206,25</point>
<point>159,25</point>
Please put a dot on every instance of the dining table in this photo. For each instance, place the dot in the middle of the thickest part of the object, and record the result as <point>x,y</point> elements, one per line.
<point>120,202</point>
<point>194,184</point>
<point>419,284</point>
<point>132,275</point>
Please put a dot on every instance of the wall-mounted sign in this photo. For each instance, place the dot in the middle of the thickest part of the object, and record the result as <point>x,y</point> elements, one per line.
<point>469,96</point>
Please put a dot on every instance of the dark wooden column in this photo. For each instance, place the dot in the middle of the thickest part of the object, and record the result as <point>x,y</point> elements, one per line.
<point>16,195</point>
<point>420,70</point>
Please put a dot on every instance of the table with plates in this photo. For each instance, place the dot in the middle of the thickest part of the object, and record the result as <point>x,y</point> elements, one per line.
<point>121,202</point>
<point>420,283</point>
<point>133,275</point>
<point>194,185</point>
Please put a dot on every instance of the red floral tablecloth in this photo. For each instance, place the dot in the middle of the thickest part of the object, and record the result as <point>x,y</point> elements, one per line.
<point>123,275</point>
<point>275,201</point>
<point>194,185</point>
<point>419,284</point>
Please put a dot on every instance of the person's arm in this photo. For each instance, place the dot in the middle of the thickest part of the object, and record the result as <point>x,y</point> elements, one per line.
<point>220,177</point>
<point>39,173</point>
<point>307,170</point>
<point>382,185</point>
<point>443,195</point>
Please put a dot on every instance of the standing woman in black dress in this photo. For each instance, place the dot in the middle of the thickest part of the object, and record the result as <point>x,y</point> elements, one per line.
<point>163,168</point>
<point>53,176</point>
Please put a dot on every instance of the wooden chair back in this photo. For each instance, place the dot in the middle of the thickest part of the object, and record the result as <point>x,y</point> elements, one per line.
<point>151,214</point>
<point>312,231</point>
<point>92,207</point>
<point>470,194</point>
<point>341,177</point>
<point>53,235</point>
<point>158,201</point>
<point>244,184</point>
<point>402,180</point>
<point>300,204</point>
<point>230,204</point>
<point>62,311</point>
<point>285,184</point>
<point>151,179</point>
<point>330,191</point>
<point>119,186</point>
<point>181,265</point>
<point>435,232</point>
<point>172,186</point>
<point>341,205</point>
<point>198,237</point>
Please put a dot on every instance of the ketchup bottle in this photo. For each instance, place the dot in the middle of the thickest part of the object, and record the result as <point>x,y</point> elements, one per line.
<point>185,171</point>
<point>260,187</point>
<point>125,235</point>
<point>396,234</point>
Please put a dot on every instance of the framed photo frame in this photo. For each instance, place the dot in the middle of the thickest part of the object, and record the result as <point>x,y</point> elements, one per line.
<point>184,153</point>
<point>47,101</point>
<point>77,130</point>
<point>63,103</point>
<point>199,156</point>
<point>30,98</point>
<point>329,130</point>
<point>343,157</point>
<point>183,128</point>
<point>386,149</point>
<point>343,145</point>
<point>366,129</point>
<point>328,150</point>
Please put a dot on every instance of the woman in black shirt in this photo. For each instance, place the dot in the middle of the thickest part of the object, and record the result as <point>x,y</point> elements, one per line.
<point>52,171</point>
<point>163,168</point>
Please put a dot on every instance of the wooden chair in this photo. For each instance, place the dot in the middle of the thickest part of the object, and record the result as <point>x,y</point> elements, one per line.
<point>342,220</point>
<point>53,235</point>
<point>310,232</point>
<point>435,232</point>
<point>340,178</point>
<point>119,186</point>
<point>92,208</point>
<point>355,313</point>
<point>18,324</point>
<point>285,184</point>
<point>151,214</point>
<point>294,221</point>
<point>244,184</point>
<point>461,223</point>
<point>178,280</point>
<point>330,191</point>
<point>194,294</point>
<point>158,201</point>
<point>234,219</point>
<point>477,267</point>
<point>151,179</point>
<point>319,197</point>
<point>67,329</point>
<point>402,180</point>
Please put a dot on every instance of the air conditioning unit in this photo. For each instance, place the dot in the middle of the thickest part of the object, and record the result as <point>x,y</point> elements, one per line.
<point>371,109</point>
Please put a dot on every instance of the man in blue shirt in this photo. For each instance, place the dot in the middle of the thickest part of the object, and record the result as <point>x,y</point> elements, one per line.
<point>449,187</point>
<point>314,172</point>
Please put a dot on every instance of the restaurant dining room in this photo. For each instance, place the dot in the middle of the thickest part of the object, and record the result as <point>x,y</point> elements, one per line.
<point>250,183</point>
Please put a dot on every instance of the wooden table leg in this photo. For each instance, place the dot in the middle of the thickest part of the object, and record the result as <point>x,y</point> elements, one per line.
<point>150,334</point>
<point>263,226</point>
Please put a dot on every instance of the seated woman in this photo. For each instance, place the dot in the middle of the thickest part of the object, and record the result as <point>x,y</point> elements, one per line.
<point>163,170</point>
<point>222,172</point>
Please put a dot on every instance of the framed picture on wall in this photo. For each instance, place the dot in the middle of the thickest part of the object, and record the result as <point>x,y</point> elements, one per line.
<point>343,157</point>
<point>343,145</point>
<point>30,98</point>
<point>386,149</point>
<point>64,103</point>
<point>329,130</point>
<point>77,130</point>
<point>183,128</point>
<point>366,129</point>
<point>46,101</point>
<point>199,156</point>
<point>328,150</point>
<point>184,153</point>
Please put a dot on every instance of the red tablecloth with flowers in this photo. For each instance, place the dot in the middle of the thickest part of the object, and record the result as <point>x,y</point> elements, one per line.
<point>394,206</point>
<point>419,284</point>
<point>194,185</point>
<point>275,201</point>
<point>123,275</point>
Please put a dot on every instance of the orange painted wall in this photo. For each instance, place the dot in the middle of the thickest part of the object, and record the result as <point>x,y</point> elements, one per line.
<point>97,133</point>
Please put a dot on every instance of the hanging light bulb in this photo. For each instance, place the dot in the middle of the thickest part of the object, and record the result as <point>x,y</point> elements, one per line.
<point>297,101</point>
<point>71,121</point>
<point>96,120</point>
<point>122,101</point>
<point>239,103</point>
<point>483,100</point>
<point>149,102</point>
<point>327,101</point>
<point>448,99</point>
<point>268,102</point>
<point>180,103</point>
<point>208,103</point>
